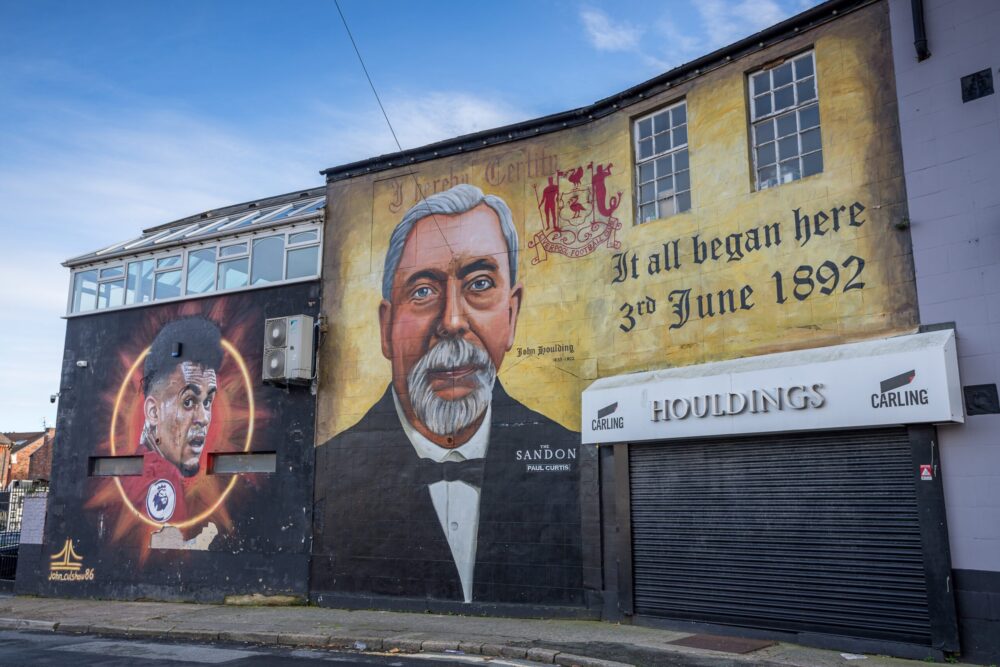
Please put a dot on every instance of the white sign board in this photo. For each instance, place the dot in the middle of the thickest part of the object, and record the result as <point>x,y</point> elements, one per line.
<point>904,380</point>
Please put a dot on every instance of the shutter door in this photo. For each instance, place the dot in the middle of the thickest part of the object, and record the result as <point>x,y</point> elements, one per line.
<point>805,532</point>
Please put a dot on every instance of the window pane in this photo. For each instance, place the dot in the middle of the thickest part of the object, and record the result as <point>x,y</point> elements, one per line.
<point>789,171</point>
<point>767,177</point>
<point>788,147</point>
<point>665,186</point>
<point>645,148</point>
<point>268,256</point>
<point>765,154</point>
<point>761,83</point>
<point>783,98</point>
<point>807,90</point>
<point>139,282</point>
<point>646,171</point>
<point>666,206</point>
<point>678,115</point>
<point>663,143</point>
<point>783,75</point>
<point>167,262</point>
<point>661,122</point>
<point>646,193</point>
<point>762,106</point>
<point>303,237</point>
<point>804,67</point>
<point>786,125</point>
<point>681,160</point>
<point>680,135</point>
<point>112,272</point>
<point>233,274</point>
<point>303,262</point>
<point>809,117</point>
<point>647,212</point>
<point>684,201</point>
<point>682,181</point>
<point>84,291</point>
<point>664,165</point>
<point>201,271</point>
<point>110,294</point>
<point>168,285</point>
<point>764,131</point>
<point>645,128</point>
<point>812,164</point>
<point>810,141</point>
<point>230,250</point>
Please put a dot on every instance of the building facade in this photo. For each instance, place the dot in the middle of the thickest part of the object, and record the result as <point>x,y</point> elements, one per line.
<point>187,468</point>
<point>946,71</point>
<point>668,359</point>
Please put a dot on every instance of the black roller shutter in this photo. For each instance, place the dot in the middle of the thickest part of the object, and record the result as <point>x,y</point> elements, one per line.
<point>809,532</point>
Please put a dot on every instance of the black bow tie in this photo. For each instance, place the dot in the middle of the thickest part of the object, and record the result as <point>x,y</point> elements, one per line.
<point>470,471</point>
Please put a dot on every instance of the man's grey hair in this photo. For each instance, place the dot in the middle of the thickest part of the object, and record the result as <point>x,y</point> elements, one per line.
<point>459,199</point>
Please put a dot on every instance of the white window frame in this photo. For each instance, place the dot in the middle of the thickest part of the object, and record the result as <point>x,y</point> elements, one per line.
<point>639,163</point>
<point>247,237</point>
<point>772,117</point>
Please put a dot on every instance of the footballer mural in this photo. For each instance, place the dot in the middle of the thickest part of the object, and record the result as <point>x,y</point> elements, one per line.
<point>174,387</point>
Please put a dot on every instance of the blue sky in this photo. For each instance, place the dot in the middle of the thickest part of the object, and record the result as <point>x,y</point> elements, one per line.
<point>119,115</point>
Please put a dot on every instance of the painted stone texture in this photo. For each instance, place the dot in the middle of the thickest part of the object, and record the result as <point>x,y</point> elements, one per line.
<point>170,387</point>
<point>813,262</point>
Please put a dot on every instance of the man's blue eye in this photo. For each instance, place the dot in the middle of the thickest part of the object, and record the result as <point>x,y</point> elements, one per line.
<point>481,284</point>
<point>422,292</point>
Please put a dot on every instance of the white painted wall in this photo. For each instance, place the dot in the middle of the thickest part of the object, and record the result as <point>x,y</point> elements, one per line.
<point>951,157</point>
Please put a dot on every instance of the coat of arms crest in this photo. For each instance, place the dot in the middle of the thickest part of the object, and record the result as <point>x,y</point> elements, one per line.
<point>576,217</point>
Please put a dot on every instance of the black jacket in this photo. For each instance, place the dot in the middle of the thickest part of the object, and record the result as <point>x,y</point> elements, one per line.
<point>376,531</point>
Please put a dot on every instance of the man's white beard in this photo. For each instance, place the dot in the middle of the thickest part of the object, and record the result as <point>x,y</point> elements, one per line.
<point>441,416</point>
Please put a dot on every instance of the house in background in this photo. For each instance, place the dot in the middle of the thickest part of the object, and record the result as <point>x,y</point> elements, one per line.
<point>26,456</point>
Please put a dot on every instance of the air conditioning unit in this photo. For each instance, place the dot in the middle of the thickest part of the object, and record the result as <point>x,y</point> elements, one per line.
<point>288,349</point>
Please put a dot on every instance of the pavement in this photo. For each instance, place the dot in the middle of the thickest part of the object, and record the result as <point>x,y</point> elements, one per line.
<point>560,642</point>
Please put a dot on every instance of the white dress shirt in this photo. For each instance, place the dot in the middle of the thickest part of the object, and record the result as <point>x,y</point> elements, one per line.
<point>457,502</point>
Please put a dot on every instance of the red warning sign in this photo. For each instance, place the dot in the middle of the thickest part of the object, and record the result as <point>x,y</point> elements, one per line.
<point>926,472</point>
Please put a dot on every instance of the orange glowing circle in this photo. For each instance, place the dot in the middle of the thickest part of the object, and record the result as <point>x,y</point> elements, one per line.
<point>248,386</point>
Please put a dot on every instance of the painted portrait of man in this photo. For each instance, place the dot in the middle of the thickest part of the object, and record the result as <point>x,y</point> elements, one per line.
<point>179,385</point>
<point>428,494</point>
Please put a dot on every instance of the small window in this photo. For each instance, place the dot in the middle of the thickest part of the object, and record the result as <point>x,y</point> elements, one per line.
<point>303,237</point>
<point>260,462</point>
<point>139,282</point>
<point>115,466</point>
<point>168,262</point>
<point>110,293</point>
<point>786,131</point>
<point>84,291</point>
<point>168,285</point>
<point>663,177</point>
<point>233,273</point>
<point>302,262</point>
<point>112,272</point>
<point>233,250</point>
<point>267,259</point>
<point>201,271</point>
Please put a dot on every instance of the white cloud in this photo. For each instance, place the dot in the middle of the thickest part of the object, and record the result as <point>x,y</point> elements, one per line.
<point>607,35</point>
<point>725,21</point>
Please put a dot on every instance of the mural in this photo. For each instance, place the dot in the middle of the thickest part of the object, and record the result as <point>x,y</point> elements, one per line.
<point>171,387</point>
<point>440,525</point>
<point>185,392</point>
<point>472,298</point>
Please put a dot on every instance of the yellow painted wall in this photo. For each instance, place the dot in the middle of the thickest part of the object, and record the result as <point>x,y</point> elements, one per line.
<point>572,301</point>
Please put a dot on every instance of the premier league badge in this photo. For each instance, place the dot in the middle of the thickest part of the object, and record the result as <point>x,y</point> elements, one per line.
<point>161,500</point>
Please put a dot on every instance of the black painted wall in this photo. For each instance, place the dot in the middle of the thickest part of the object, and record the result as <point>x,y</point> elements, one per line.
<point>263,520</point>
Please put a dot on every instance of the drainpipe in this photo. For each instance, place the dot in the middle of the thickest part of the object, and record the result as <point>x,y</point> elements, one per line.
<point>919,31</point>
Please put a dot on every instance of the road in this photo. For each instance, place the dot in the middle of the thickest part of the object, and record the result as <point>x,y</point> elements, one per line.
<point>46,648</point>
